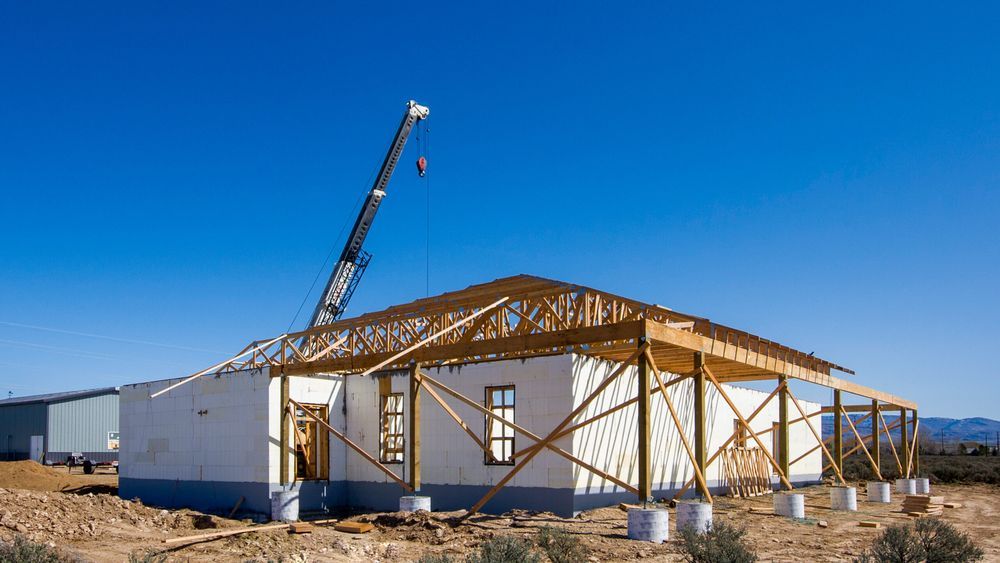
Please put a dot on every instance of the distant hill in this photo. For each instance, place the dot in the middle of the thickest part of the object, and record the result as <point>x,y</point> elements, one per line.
<point>949,430</point>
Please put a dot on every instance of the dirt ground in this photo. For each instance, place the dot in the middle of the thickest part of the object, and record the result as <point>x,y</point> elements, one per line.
<point>98,526</point>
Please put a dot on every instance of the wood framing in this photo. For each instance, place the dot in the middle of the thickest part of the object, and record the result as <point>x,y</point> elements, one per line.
<point>524,317</point>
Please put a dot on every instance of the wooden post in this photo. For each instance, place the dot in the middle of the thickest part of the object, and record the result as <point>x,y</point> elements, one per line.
<point>699,412</point>
<point>783,425</point>
<point>916,445</point>
<point>876,445</point>
<point>286,421</point>
<point>645,463</point>
<point>838,431</point>
<point>904,449</point>
<point>414,411</point>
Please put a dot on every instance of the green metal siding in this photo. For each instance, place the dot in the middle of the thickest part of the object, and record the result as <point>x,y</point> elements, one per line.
<point>18,423</point>
<point>82,425</point>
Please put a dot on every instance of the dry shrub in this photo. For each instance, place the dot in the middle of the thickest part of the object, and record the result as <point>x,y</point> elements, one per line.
<point>22,550</point>
<point>504,549</point>
<point>722,543</point>
<point>929,540</point>
<point>561,546</point>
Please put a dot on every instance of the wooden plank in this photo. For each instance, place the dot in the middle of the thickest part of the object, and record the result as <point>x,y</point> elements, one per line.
<point>354,527</point>
<point>643,426</point>
<point>870,524</point>
<point>414,416</point>
<point>286,422</point>
<point>838,431</point>
<point>783,434</point>
<point>301,528</point>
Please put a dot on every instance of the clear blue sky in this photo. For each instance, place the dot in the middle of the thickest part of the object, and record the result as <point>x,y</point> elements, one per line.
<point>175,173</point>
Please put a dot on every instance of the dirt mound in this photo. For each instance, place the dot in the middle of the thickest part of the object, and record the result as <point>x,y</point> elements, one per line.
<point>54,516</point>
<point>37,477</point>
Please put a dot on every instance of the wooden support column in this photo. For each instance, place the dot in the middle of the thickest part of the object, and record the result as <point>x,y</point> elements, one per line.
<point>645,461</point>
<point>783,444</point>
<point>838,431</point>
<point>916,445</point>
<point>700,442</point>
<point>904,449</point>
<point>876,445</point>
<point>286,422</point>
<point>414,412</point>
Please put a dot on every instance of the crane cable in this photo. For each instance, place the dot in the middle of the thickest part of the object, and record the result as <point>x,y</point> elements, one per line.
<point>424,148</point>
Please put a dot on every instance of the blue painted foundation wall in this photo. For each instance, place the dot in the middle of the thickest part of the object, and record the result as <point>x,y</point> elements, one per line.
<point>219,497</point>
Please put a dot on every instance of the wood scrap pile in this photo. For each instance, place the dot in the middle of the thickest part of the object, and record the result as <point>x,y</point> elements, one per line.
<point>923,505</point>
<point>747,472</point>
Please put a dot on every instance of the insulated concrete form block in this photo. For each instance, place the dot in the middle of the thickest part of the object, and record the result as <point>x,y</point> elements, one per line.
<point>448,456</point>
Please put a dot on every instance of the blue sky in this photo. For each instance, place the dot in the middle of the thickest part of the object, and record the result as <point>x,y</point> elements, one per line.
<point>174,174</point>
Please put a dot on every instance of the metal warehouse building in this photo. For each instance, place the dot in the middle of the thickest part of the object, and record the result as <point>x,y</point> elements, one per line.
<point>48,428</point>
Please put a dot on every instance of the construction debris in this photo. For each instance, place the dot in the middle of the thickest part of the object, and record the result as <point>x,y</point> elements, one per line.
<point>823,524</point>
<point>923,505</point>
<point>870,524</point>
<point>301,528</point>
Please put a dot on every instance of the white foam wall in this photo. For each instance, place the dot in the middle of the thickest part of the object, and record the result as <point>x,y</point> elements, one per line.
<point>167,438</point>
<point>611,444</point>
<point>448,455</point>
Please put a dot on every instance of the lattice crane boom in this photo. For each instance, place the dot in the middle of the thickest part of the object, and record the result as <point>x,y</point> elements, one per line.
<point>353,260</point>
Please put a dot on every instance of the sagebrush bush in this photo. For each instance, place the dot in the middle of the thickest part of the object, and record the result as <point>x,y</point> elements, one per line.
<point>722,543</point>
<point>435,558</point>
<point>147,555</point>
<point>928,540</point>
<point>22,550</point>
<point>504,549</point>
<point>561,546</point>
<point>941,542</point>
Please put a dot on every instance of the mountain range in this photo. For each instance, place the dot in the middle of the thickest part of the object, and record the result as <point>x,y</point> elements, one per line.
<point>936,429</point>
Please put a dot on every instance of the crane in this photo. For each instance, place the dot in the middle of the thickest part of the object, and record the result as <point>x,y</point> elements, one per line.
<point>353,259</point>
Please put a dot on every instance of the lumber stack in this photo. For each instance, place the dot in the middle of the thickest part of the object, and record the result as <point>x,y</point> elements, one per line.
<point>923,505</point>
<point>747,472</point>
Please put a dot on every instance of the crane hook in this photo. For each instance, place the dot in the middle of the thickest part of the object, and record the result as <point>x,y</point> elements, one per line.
<point>421,166</point>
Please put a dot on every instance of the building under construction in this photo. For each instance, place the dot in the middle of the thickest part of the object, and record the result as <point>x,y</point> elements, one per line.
<point>522,392</point>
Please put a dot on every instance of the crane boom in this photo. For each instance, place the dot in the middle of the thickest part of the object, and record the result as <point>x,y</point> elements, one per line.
<point>353,259</point>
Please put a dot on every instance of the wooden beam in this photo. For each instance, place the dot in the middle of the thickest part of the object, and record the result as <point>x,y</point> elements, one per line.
<point>743,421</point>
<point>838,431</point>
<point>817,436</point>
<point>876,437</point>
<point>643,427</point>
<point>783,434</point>
<point>892,447</point>
<point>283,440</point>
<point>904,446</point>
<point>915,449</point>
<point>414,412</point>
<point>700,430</point>
<point>361,451</point>
<point>729,440</point>
<point>699,472</point>
<point>861,444</point>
